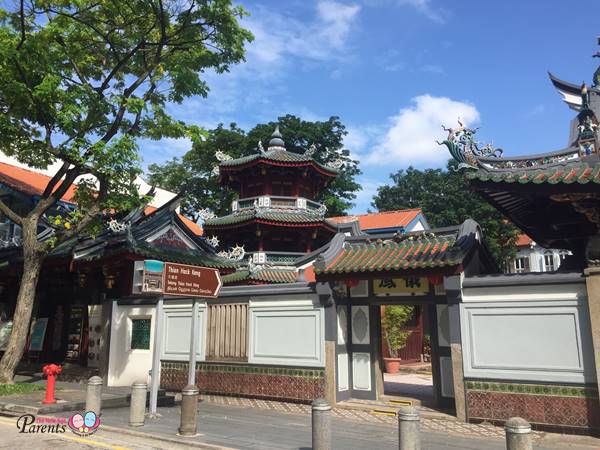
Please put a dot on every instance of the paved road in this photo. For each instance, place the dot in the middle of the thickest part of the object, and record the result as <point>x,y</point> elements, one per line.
<point>246,429</point>
<point>11,439</point>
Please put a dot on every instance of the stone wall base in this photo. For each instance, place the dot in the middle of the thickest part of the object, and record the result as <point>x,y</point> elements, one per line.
<point>550,407</point>
<point>246,380</point>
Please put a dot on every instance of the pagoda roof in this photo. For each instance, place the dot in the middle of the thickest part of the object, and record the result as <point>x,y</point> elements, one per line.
<point>261,276</point>
<point>442,250</point>
<point>273,216</point>
<point>276,155</point>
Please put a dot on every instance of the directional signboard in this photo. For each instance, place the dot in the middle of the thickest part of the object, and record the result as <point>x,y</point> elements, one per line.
<point>191,281</point>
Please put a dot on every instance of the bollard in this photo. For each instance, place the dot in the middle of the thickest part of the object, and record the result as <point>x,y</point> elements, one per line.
<point>93,398</point>
<point>321,424</point>
<point>189,411</point>
<point>50,370</point>
<point>518,434</point>
<point>137,407</point>
<point>409,433</point>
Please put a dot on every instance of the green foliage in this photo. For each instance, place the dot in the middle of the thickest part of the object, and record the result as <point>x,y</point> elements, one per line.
<point>192,174</point>
<point>394,318</point>
<point>446,200</point>
<point>81,81</point>
<point>18,388</point>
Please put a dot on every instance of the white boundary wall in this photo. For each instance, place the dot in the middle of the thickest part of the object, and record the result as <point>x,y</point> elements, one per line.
<point>282,330</point>
<point>527,332</point>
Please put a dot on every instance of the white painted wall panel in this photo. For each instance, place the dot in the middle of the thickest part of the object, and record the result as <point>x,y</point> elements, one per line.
<point>286,334</point>
<point>360,325</point>
<point>542,339</point>
<point>343,374</point>
<point>177,329</point>
<point>527,333</point>
<point>361,371</point>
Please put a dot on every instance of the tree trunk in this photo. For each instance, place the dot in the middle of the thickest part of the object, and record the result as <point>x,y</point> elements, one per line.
<point>32,263</point>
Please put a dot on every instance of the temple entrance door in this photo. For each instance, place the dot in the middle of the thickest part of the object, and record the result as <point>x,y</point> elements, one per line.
<point>342,352</point>
<point>363,350</point>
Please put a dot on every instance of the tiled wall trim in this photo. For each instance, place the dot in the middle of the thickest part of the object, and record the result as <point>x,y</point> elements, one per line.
<point>533,389</point>
<point>271,382</point>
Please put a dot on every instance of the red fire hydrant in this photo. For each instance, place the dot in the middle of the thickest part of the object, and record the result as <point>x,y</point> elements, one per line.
<point>51,370</point>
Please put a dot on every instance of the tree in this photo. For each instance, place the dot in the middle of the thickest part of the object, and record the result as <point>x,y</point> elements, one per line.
<point>394,318</point>
<point>200,188</point>
<point>80,81</point>
<point>446,200</point>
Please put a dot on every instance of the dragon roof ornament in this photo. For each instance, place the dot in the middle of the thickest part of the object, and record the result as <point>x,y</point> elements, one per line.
<point>465,149</point>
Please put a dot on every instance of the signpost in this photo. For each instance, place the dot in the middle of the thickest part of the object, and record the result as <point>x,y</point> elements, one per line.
<point>175,280</point>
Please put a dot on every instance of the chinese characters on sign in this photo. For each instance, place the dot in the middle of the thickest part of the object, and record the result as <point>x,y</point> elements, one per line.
<point>401,286</point>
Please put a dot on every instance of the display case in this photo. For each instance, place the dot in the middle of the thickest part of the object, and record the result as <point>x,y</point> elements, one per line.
<point>75,332</point>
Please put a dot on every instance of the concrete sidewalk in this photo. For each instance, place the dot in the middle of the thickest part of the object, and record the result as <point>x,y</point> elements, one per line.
<point>70,396</point>
<point>255,428</point>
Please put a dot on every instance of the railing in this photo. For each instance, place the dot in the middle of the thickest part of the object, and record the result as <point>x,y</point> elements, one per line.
<point>275,201</point>
<point>274,257</point>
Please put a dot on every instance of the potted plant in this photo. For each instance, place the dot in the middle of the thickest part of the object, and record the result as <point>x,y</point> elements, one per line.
<point>394,317</point>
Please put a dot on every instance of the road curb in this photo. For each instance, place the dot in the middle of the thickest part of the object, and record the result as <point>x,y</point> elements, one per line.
<point>160,437</point>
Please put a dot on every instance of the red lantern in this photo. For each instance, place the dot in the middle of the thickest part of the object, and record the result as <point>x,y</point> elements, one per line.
<point>435,279</point>
<point>352,283</point>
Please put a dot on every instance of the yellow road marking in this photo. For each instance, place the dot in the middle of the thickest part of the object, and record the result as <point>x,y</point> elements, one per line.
<point>93,442</point>
<point>81,440</point>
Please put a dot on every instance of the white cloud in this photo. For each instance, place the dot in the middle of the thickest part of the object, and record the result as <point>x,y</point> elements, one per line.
<point>425,7</point>
<point>411,136</point>
<point>283,44</point>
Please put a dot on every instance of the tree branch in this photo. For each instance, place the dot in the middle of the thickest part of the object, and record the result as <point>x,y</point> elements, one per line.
<point>8,212</point>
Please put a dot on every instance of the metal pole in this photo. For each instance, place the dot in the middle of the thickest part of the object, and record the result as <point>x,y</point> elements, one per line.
<point>321,424</point>
<point>193,344</point>
<point>155,378</point>
<point>518,434</point>
<point>409,437</point>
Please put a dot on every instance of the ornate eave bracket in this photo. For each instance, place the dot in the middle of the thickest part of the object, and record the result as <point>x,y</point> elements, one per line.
<point>464,149</point>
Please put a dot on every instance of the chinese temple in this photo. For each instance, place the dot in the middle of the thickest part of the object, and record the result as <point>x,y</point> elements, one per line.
<point>276,218</point>
<point>533,339</point>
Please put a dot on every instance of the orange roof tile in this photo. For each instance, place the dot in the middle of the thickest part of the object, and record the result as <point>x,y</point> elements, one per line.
<point>194,228</point>
<point>524,241</point>
<point>29,182</point>
<point>387,219</point>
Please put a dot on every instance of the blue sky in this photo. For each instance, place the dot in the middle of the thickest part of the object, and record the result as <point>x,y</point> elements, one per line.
<point>395,70</point>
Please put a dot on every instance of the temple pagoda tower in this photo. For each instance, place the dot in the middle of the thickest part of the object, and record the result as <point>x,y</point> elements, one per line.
<point>275,217</point>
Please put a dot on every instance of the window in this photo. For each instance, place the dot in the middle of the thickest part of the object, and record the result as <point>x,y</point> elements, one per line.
<point>522,264</point>
<point>549,262</point>
<point>140,334</point>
